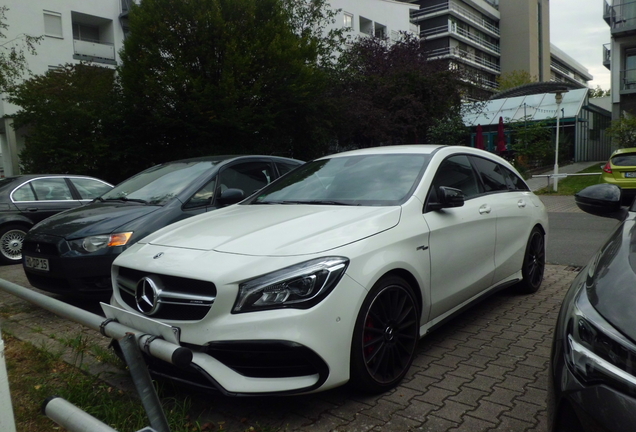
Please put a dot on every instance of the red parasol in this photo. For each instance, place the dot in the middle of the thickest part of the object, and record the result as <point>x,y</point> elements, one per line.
<point>479,138</point>
<point>501,137</point>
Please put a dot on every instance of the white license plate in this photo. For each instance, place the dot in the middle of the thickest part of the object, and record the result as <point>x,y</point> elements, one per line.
<point>631,174</point>
<point>36,263</point>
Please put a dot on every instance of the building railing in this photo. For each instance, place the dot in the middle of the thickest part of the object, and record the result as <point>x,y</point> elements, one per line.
<point>450,28</point>
<point>456,52</point>
<point>94,50</point>
<point>621,16</point>
<point>628,79</point>
<point>450,6</point>
<point>561,69</point>
<point>607,57</point>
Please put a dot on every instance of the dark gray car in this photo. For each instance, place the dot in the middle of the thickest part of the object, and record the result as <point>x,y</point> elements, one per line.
<point>72,252</point>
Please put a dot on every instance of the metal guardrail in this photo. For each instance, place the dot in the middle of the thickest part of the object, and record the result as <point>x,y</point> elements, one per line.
<point>563,175</point>
<point>132,343</point>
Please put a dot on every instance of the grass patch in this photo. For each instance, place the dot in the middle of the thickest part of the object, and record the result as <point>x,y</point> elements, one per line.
<point>573,184</point>
<point>35,375</point>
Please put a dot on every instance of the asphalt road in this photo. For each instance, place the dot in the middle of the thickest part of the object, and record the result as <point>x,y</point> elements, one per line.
<point>573,238</point>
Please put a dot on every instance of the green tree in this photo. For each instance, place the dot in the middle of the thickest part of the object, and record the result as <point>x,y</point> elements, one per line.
<point>70,116</point>
<point>450,130</point>
<point>224,76</point>
<point>623,132</point>
<point>598,92</point>
<point>532,143</point>
<point>13,62</point>
<point>514,78</point>
<point>389,93</point>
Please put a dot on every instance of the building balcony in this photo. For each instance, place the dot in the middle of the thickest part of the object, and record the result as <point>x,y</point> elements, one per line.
<point>621,18</point>
<point>94,51</point>
<point>607,56</point>
<point>466,57</point>
<point>463,35</point>
<point>457,10</point>
<point>628,81</point>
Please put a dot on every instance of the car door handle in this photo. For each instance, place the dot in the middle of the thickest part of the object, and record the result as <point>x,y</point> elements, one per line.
<point>521,204</point>
<point>484,209</point>
<point>32,209</point>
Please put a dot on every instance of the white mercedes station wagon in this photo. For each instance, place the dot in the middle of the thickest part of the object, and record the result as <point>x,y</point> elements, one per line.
<point>332,273</point>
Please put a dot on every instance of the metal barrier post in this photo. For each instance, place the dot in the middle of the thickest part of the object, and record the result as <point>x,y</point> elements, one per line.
<point>7,421</point>
<point>143,383</point>
<point>71,417</point>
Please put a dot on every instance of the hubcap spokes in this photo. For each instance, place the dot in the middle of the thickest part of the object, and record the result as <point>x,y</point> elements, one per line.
<point>389,334</point>
<point>536,259</point>
<point>11,244</point>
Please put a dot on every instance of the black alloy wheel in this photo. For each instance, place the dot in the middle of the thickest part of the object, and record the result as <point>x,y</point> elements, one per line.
<point>533,263</point>
<point>385,337</point>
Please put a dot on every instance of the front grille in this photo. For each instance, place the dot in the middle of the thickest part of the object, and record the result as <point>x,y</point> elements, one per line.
<point>267,359</point>
<point>181,298</point>
<point>33,247</point>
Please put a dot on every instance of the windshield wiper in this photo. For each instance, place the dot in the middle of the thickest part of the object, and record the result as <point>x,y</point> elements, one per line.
<point>127,200</point>
<point>314,202</point>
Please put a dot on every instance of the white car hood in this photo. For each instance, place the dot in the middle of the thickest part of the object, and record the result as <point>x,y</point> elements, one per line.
<point>277,230</point>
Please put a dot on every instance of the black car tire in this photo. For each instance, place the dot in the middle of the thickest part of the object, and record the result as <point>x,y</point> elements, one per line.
<point>533,263</point>
<point>385,336</point>
<point>11,240</point>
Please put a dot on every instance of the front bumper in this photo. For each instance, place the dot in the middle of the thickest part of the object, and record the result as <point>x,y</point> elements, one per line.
<point>69,272</point>
<point>280,351</point>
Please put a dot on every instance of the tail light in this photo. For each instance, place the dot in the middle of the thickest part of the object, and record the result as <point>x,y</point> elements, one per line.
<point>607,168</point>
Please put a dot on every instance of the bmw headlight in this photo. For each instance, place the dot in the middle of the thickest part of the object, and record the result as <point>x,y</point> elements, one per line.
<point>300,286</point>
<point>595,351</point>
<point>95,243</point>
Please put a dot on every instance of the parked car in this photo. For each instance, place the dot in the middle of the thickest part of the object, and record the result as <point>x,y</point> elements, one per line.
<point>592,375</point>
<point>27,199</point>
<point>620,170</point>
<point>72,252</point>
<point>333,272</point>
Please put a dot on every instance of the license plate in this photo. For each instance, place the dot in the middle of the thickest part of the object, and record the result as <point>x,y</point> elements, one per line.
<point>36,263</point>
<point>631,174</point>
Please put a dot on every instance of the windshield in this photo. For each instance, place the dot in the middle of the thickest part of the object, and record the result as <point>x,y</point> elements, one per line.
<point>159,184</point>
<point>379,180</point>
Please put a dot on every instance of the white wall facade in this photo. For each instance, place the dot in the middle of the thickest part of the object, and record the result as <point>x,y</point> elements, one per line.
<point>384,18</point>
<point>98,39</point>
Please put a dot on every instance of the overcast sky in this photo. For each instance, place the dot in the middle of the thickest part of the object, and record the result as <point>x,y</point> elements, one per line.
<point>577,28</point>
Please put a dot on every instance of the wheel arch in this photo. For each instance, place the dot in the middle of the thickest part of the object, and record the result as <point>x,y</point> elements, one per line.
<point>412,280</point>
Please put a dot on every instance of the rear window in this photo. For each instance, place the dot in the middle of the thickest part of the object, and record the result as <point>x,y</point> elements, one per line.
<point>625,159</point>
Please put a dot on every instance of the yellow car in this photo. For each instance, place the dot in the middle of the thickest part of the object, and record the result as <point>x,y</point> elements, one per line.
<point>620,170</point>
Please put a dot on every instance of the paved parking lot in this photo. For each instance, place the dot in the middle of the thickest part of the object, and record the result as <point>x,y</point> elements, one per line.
<point>485,370</point>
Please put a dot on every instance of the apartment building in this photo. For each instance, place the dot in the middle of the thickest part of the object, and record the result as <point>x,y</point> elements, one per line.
<point>487,38</point>
<point>73,31</point>
<point>619,56</point>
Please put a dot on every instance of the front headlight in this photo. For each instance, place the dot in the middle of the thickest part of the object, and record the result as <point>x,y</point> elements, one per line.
<point>595,351</point>
<point>300,286</point>
<point>95,243</point>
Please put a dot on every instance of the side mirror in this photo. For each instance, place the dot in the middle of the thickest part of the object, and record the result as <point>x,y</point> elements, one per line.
<point>447,197</point>
<point>230,196</point>
<point>602,199</point>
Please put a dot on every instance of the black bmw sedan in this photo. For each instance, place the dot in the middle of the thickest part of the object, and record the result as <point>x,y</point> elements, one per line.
<point>27,199</point>
<point>592,378</point>
<point>71,253</point>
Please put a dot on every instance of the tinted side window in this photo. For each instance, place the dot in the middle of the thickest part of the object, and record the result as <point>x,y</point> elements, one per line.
<point>284,168</point>
<point>203,196</point>
<point>249,177</point>
<point>89,188</point>
<point>458,173</point>
<point>514,181</point>
<point>492,174</point>
<point>51,189</point>
<point>24,193</point>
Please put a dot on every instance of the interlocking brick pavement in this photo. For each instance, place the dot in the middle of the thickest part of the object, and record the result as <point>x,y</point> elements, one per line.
<point>485,370</point>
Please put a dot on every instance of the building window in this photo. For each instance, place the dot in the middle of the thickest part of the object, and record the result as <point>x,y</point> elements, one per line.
<point>53,24</point>
<point>348,20</point>
<point>85,32</point>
